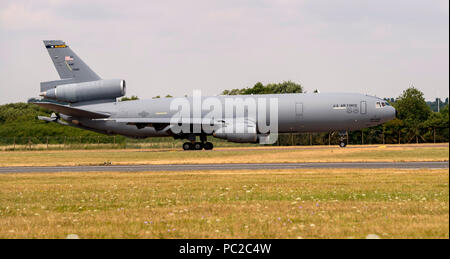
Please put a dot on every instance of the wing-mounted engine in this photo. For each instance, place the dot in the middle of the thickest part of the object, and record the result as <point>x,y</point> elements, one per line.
<point>240,133</point>
<point>87,91</point>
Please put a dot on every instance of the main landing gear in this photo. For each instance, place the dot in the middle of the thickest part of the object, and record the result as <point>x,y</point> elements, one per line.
<point>198,145</point>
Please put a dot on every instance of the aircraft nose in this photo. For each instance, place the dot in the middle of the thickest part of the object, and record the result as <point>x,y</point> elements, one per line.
<point>387,113</point>
<point>391,113</point>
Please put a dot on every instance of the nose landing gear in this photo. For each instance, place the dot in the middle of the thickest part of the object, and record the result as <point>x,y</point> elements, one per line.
<point>343,139</point>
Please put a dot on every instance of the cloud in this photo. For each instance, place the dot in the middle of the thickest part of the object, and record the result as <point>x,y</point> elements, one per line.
<point>381,32</point>
<point>22,16</point>
<point>442,5</point>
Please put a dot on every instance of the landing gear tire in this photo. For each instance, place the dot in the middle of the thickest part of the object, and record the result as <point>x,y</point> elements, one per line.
<point>343,138</point>
<point>188,146</point>
<point>198,146</point>
<point>208,146</point>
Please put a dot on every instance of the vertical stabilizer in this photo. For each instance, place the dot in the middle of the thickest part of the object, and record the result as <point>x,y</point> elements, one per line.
<point>69,66</point>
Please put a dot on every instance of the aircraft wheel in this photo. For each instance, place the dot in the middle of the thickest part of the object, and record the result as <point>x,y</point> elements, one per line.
<point>198,146</point>
<point>187,146</point>
<point>342,144</point>
<point>209,146</point>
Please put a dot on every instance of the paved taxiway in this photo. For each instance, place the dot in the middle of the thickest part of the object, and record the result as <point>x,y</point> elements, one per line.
<point>202,167</point>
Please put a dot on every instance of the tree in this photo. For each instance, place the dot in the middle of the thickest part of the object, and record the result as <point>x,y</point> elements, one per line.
<point>395,128</point>
<point>259,88</point>
<point>133,97</point>
<point>232,92</point>
<point>445,115</point>
<point>444,131</point>
<point>438,104</point>
<point>435,120</point>
<point>285,87</point>
<point>413,111</point>
<point>20,120</point>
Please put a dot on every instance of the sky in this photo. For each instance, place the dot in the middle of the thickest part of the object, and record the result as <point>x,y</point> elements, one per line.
<point>173,47</point>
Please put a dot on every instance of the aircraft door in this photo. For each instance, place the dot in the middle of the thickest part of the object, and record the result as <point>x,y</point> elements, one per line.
<point>298,123</point>
<point>363,107</point>
<point>299,110</point>
<point>298,113</point>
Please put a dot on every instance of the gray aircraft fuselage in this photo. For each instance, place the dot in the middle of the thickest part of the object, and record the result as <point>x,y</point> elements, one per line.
<point>317,112</point>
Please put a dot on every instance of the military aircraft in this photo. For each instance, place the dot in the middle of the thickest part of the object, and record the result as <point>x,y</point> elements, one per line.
<point>84,100</point>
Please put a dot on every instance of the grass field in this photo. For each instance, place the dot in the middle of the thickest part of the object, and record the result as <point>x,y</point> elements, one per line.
<point>344,203</point>
<point>228,155</point>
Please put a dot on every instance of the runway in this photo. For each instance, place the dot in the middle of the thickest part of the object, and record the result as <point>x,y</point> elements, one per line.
<point>203,167</point>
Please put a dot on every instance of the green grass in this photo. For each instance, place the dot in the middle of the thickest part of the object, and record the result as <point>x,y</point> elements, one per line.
<point>226,155</point>
<point>218,204</point>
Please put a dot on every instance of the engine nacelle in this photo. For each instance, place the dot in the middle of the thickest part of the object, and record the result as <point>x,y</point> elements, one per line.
<point>239,135</point>
<point>88,91</point>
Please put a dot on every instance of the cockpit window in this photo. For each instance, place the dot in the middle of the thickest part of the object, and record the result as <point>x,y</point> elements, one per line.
<point>381,104</point>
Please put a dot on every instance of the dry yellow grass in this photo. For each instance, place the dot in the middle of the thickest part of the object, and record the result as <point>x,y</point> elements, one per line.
<point>320,203</point>
<point>227,155</point>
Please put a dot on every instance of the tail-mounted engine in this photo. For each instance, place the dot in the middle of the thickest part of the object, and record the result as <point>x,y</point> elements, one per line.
<point>88,91</point>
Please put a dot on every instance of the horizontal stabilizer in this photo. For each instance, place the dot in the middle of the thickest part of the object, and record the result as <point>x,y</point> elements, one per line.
<point>56,120</point>
<point>70,111</point>
<point>47,119</point>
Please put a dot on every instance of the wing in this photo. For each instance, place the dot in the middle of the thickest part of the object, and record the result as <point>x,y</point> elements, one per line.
<point>133,121</point>
<point>162,123</point>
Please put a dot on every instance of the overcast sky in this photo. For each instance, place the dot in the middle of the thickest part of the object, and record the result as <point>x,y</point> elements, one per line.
<point>172,47</point>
